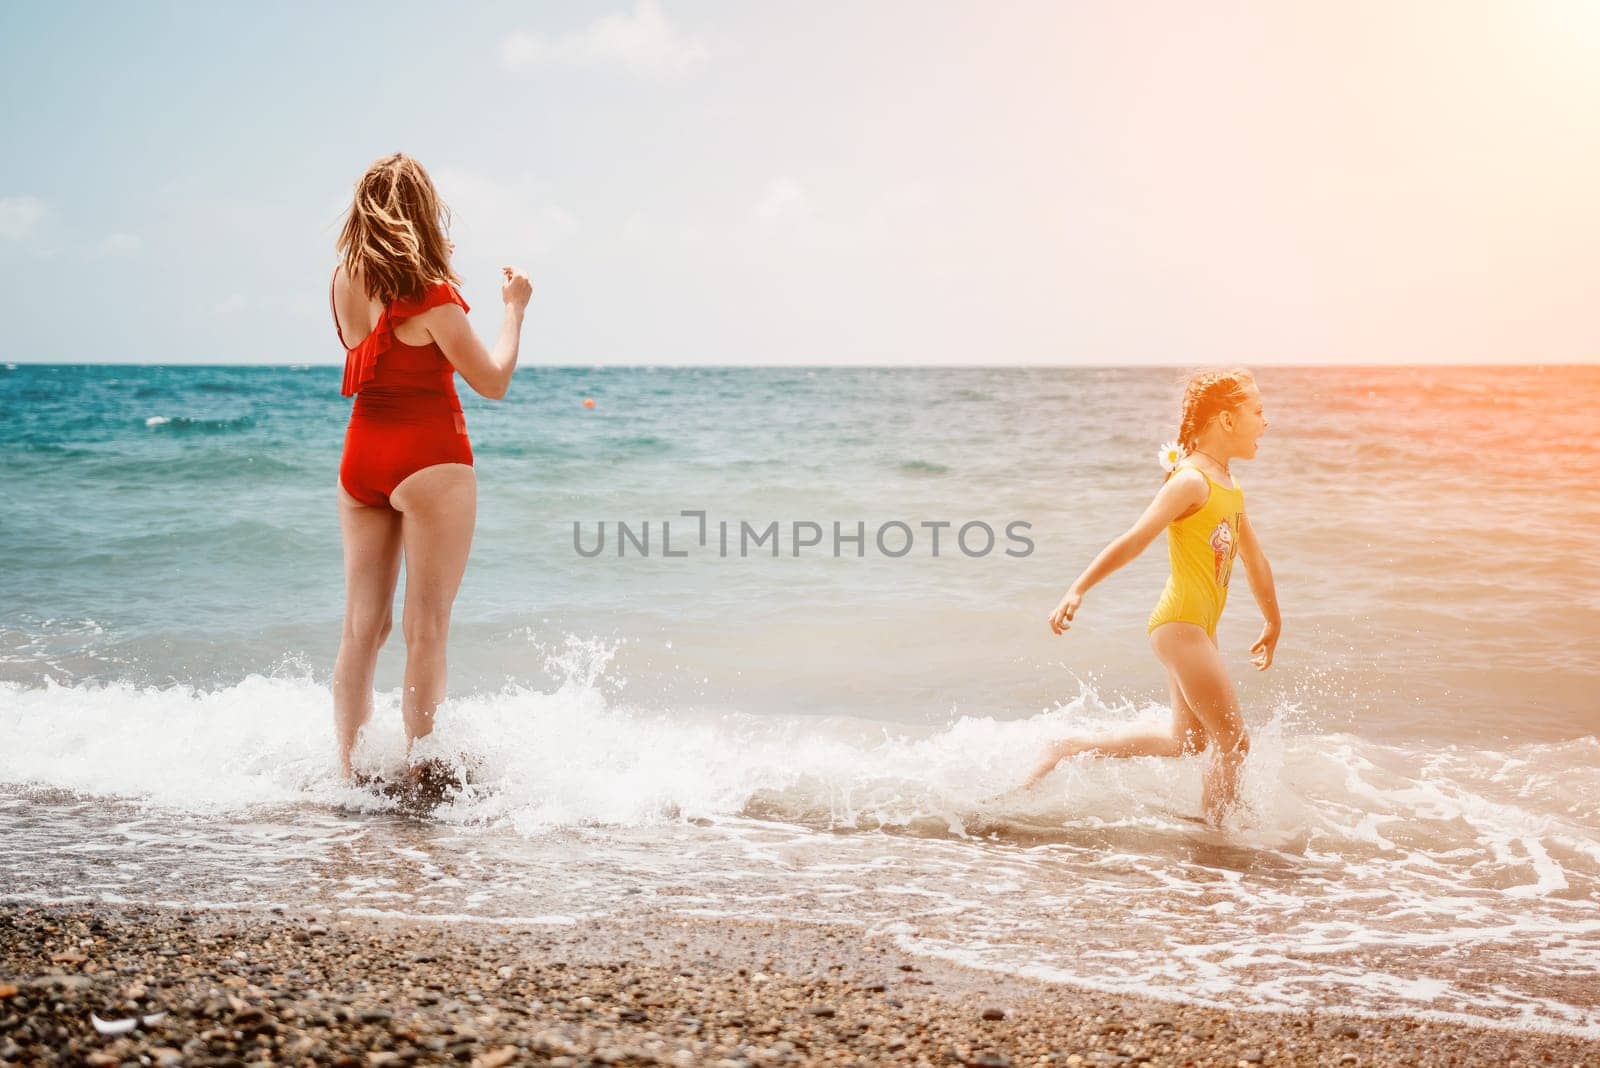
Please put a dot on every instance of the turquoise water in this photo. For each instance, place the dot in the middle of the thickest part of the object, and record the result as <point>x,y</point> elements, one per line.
<point>1433,533</point>
<point>817,735</point>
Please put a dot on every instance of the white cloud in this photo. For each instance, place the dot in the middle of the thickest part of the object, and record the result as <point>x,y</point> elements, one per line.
<point>783,196</point>
<point>231,305</point>
<point>19,215</point>
<point>118,245</point>
<point>643,42</point>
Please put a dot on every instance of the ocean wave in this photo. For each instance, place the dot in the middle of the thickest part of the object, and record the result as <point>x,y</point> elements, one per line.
<point>1382,877</point>
<point>183,424</point>
<point>636,443</point>
<point>574,756</point>
<point>196,463</point>
<point>55,449</point>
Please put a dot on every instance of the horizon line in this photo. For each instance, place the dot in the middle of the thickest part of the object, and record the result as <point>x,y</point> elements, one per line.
<point>306,366</point>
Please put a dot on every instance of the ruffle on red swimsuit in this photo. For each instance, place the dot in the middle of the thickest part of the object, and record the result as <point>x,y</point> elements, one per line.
<point>361,362</point>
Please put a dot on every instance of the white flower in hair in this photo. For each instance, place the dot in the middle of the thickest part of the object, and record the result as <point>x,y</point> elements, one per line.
<point>1171,455</point>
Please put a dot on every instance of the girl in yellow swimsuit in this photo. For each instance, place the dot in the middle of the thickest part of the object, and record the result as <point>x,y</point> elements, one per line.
<point>1201,507</point>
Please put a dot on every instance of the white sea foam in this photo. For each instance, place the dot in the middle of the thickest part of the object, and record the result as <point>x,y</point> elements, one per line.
<point>1442,880</point>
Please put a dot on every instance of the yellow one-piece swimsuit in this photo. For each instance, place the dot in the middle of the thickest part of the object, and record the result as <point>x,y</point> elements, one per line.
<point>1201,548</point>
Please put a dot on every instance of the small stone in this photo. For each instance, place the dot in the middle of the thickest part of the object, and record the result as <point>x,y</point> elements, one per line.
<point>1347,1032</point>
<point>1349,1058</point>
<point>988,1060</point>
<point>993,1012</point>
<point>70,956</point>
<point>1253,1056</point>
<point>1074,1059</point>
<point>7,990</point>
<point>379,1058</point>
<point>61,981</point>
<point>823,1010</point>
<point>497,1058</point>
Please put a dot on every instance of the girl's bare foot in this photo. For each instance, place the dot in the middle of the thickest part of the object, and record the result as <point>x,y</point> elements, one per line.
<point>1054,755</point>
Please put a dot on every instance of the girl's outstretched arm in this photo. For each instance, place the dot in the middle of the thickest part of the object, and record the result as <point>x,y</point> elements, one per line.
<point>1260,575</point>
<point>1183,492</point>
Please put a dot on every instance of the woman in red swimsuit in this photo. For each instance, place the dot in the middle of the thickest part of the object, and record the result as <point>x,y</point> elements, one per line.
<point>406,480</point>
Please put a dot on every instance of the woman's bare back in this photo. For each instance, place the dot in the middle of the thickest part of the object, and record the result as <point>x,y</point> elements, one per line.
<point>358,313</point>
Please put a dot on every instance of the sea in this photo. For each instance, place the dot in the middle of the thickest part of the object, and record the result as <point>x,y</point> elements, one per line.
<point>772,643</point>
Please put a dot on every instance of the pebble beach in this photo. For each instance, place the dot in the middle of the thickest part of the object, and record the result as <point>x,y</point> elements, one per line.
<point>219,988</point>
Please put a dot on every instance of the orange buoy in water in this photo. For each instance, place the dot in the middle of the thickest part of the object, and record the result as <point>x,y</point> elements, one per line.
<point>588,402</point>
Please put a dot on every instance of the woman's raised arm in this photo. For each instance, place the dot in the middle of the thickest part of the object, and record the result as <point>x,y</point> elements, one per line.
<point>488,373</point>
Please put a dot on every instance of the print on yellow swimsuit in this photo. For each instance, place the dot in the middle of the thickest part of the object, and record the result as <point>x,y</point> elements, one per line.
<point>1222,551</point>
<point>1201,548</point>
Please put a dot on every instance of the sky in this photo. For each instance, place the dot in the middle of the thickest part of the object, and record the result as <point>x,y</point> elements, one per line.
<point>821,182</point>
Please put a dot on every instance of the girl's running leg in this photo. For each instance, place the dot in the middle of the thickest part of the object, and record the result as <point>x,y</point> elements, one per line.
<point>1191,656</point>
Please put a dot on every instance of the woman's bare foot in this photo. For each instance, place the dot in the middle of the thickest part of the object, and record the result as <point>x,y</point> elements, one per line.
<point>432,774</point>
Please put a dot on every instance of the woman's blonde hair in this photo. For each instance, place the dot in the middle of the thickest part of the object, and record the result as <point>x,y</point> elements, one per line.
<point>395,232</point>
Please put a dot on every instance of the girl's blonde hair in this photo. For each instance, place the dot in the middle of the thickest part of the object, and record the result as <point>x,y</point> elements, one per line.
<point>395,232</point>
<point>1206,394</point>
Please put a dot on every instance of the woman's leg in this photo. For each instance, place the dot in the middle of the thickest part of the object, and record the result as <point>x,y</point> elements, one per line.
<point>438,506</point>
<point>1186,735</point>
<point>1191,656</point>
<point>371,567</point>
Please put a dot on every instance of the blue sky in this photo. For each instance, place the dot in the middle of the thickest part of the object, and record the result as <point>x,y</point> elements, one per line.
<point>821,182</point>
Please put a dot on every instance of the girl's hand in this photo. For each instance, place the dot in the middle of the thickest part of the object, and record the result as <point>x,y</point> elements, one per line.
<point>1264,647</point>
<point>517,290</point>
<point>1061,618</point>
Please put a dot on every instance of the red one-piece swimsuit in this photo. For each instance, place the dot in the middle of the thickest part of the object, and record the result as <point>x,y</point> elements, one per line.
<point>406,415</point>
